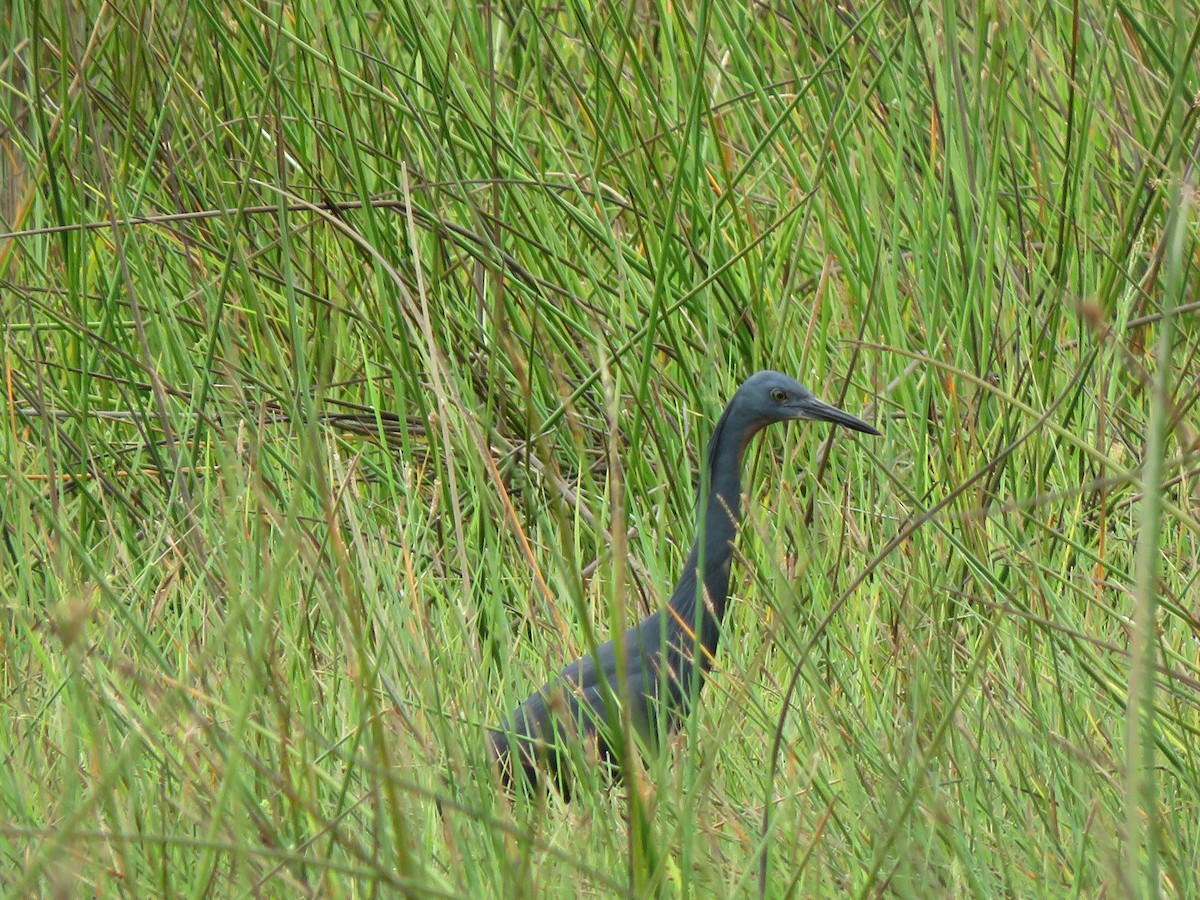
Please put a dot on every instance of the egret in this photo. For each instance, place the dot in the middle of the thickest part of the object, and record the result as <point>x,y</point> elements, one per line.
<point>665,652</point>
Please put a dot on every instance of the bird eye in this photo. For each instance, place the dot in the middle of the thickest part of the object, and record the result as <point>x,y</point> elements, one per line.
<point>778,395</point>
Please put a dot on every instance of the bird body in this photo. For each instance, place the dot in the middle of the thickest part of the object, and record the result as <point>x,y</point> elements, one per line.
<point>666,652</point>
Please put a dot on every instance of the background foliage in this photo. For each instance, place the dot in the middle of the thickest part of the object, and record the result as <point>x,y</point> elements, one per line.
<point>357,365</point>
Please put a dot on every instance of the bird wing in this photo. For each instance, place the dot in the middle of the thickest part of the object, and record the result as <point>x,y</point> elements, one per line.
<point>573,705</point>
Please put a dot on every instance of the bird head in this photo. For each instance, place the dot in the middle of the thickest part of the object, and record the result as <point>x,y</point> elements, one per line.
<point>767,397</point>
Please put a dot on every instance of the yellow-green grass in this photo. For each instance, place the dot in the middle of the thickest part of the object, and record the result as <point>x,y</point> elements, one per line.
<point>358,361</point>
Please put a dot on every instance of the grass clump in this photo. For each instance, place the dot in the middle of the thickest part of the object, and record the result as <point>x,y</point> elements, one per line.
<point>358,363</point>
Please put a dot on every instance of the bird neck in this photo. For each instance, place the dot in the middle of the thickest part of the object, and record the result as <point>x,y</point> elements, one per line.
<point>705,579</point>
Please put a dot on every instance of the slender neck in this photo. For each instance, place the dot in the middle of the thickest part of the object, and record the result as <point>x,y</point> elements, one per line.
<point>718,512</point>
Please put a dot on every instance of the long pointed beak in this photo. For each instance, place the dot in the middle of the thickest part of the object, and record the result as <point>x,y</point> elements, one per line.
<point>812,408</point>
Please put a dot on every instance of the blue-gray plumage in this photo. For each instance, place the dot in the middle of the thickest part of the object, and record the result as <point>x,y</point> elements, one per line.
<point>573,703</point>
